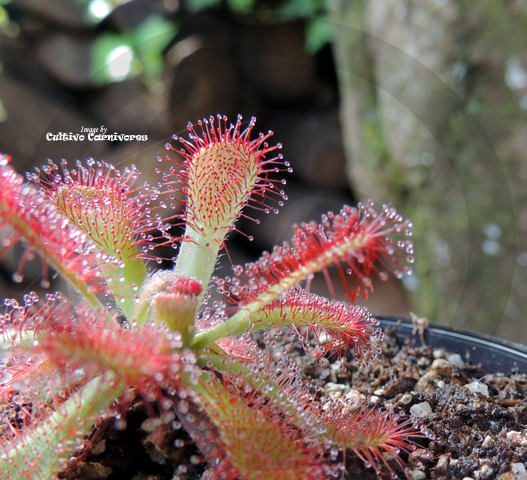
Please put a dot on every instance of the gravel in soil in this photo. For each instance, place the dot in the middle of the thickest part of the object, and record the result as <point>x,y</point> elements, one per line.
<point>474,423</point>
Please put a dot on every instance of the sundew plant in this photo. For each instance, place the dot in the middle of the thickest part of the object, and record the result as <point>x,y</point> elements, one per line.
<point>67,362</point>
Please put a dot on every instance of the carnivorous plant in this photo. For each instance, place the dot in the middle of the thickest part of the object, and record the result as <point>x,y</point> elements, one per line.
<point>126,330</point>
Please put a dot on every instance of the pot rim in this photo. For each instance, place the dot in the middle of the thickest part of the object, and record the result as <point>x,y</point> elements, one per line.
<point>495,354</point>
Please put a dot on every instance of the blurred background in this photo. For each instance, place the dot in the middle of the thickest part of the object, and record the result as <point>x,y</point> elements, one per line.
<point>418,103</point>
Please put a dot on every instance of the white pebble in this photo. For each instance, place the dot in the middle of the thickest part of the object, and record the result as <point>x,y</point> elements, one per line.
<point>437,353</point>
<point>517,473</point>
<point>379,392</point>
<point>514,436</point>
<point>422,383</point>
<point>443,461</point>
<point>418,475</point>
<point>487,441</point>
<point>518,470</point>
<point>456,360</point>
<point>354,400</point>
<point>334,369</point>
<point>335,390</point>
<point>421,410</point>
<point>423,362</point>
<point>334,387</point>
<point>323,338</point>
<point>441,364</point>
<point>478,387</point>
<point>406,399</point>
<point>484,472</point>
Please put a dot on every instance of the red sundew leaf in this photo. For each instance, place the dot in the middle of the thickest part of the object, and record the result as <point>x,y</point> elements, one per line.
<point>38,451</point>
<point>357,241</point>
<point>21,374</point>
<point>211,317</point>
<point>139,355</point>
<point>108,206</point>
<point>29,384</point>
<point>242,349</point>
<point>336,326</point>
<point>224,170</point>
<point>369,432</point>
<point>22,322</point>
<point>26,372</point>
<point>19,325</point>
<point>257,439</point>
<point>25,213</point>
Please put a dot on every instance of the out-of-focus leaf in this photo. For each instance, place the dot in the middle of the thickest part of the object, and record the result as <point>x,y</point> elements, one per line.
<point>198,5</point>
<point>301,8</point>
<point>148,40</point>
<point>117,57</point>
<point>112,58</point>
<point>242,6</point>
<point>319,32</point>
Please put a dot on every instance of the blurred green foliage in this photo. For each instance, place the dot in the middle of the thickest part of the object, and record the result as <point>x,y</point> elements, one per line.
<point>241,6</point>
<point>319,30</point>
<point>137,52</point>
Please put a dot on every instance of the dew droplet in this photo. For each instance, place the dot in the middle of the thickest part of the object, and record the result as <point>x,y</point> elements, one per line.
<point>120,424</point>
<point>18,278</point>
<point>367,282</point>
<point>383,276</point>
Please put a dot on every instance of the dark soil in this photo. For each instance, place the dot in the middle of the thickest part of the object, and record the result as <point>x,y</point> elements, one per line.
<point>468,434</point>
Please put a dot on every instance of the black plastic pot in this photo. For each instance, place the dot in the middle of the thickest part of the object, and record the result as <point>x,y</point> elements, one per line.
<point>495,354</point>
